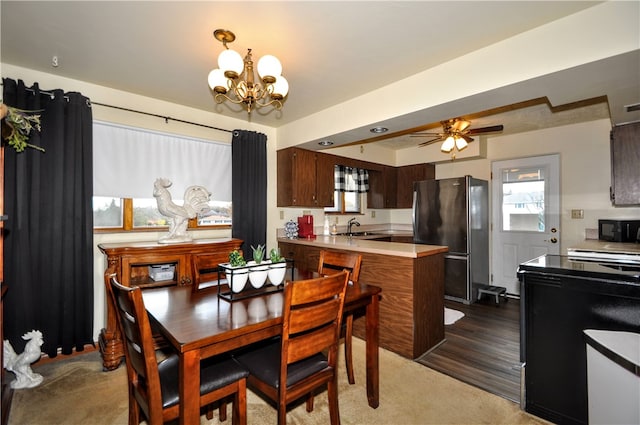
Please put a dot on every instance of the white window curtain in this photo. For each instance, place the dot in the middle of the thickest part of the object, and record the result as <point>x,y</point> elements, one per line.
<point>127,161</point>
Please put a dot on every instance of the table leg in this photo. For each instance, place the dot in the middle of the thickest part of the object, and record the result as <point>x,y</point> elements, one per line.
<point>372,331</point>
<point>189,376</point>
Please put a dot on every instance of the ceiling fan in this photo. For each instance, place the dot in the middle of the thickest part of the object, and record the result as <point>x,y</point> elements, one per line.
<point>456,133</point>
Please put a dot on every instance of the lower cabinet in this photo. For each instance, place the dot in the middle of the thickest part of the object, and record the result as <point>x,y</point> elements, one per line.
<point>131,262</point>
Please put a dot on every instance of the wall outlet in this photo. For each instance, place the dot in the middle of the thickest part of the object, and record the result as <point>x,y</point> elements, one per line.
<point>373,214</point>
<point>306,212</point>
<point>281,215</point>
<point>577,213</point>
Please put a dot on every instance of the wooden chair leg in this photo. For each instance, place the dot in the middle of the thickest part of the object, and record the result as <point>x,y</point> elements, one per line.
<point>348,349</point>
<point>222,412</point>
<point>310,402</point>
<point>240,404</point>
<point>334,410</point>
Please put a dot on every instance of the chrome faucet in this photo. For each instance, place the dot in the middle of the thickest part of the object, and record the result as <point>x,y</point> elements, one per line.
<point>350,224</point>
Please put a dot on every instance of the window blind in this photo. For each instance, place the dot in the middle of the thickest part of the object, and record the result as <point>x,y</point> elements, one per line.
<point>127,161</point>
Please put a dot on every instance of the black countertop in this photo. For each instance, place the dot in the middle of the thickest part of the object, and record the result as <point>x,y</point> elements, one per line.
<point>563,265</point>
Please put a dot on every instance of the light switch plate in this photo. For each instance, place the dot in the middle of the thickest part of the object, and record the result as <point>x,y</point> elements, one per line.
<point>577,213</point>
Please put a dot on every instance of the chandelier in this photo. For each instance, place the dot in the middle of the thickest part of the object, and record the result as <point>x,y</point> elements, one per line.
<point>234,79</point>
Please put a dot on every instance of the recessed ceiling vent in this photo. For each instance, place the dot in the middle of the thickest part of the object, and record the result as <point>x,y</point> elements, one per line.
<point>632,108</point>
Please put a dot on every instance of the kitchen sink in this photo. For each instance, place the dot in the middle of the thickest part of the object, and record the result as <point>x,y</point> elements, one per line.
<point>359,234</point>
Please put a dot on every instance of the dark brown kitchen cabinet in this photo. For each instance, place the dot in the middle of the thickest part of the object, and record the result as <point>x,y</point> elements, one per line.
<point>392,187</point>
<point>625,168</point>
<point>406,176</point>
<point>305,178</point>
<point>382,188</point>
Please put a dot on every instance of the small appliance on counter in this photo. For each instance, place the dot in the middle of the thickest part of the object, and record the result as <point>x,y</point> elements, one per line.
<point>305,227</point>
<point>614,230</point>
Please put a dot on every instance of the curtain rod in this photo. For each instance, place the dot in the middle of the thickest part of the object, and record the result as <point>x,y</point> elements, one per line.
<point>166,118</point>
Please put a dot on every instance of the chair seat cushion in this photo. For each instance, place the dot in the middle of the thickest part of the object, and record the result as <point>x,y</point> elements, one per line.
<point>263,362</point>
<point>215,372</point>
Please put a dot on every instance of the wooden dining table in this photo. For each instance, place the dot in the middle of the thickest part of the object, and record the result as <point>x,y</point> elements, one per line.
<point>202,324</point>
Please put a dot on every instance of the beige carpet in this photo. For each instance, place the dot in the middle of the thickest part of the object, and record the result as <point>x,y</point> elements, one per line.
<point>78,392</point>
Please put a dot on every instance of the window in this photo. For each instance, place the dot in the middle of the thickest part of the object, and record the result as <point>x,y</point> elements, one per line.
<point>523,199</point>
<point>350,183</point>
<point>127,161</point>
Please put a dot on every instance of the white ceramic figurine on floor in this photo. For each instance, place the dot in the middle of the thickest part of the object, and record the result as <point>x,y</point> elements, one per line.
<point>20,364</point>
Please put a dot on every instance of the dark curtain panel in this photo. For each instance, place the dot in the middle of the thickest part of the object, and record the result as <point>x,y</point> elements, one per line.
<point>249,188</point>
<point>48,240</point>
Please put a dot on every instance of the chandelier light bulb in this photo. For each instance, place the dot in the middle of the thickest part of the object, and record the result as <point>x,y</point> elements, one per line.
<point>269,66</point>
<point>448,144</point>
<point>217,81</point>
<point>461,143</point>
<point>280,88</point>
<point>231,63</point>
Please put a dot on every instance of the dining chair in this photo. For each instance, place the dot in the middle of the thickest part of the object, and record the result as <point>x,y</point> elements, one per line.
<point>329,262</point>
<point>304,357</point>
<point>154,386</point>
<point>204,269</point>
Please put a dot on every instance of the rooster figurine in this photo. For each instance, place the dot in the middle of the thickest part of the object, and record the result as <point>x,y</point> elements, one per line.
<point>196,201</point>
<point>20,364</point>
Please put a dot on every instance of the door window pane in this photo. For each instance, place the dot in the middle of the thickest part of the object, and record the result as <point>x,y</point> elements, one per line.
<point>523,200</point>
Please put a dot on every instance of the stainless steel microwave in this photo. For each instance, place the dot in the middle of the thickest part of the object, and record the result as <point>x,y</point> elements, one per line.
<point>619,230</point>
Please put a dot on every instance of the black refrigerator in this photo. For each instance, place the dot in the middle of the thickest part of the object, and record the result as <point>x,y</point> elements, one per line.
<point>455,212</point>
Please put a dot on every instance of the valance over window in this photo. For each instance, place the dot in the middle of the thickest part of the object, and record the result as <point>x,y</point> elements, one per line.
<point>349,179</point>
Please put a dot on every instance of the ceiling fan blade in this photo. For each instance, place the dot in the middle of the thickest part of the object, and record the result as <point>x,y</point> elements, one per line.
<point>428,142</point>
<point>491,129</point>
<point>467,138</point>
<point>425,134</point>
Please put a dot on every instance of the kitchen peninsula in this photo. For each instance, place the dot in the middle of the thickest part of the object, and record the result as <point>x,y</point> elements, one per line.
<point>412,280</point>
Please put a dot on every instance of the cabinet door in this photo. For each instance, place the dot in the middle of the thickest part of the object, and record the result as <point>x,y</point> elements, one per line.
<point>325,181</point>
<point>406,176</point>
<point>625,164</point>
<point>382,188</point>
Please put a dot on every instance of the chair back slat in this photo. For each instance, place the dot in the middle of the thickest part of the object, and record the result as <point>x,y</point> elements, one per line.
<point>333,261</point>
<point>204,268</point>
<point>312,317</point>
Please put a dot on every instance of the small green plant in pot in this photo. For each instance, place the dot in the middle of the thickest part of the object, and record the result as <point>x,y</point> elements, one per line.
<point>278,267</point>
<point>237,277</point>
<point>275,257</point>
<point>258,253</point>
<point>236,259</point>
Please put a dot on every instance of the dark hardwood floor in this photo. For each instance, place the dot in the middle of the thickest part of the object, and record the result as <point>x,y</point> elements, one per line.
<point>483,347</point>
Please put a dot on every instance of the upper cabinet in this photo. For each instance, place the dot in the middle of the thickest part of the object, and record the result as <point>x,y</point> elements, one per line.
<point>305,178</point>
<point>625,165</point>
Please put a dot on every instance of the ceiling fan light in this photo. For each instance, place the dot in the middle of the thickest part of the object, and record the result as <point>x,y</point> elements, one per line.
<point>231,63</point>
<point>217,81</point>
<point>280,87</point>
<point>448,144</point>
<point>461,143</point>
<point>269,66</point>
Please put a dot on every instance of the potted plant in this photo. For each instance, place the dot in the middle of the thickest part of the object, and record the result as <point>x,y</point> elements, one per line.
<point>238,274</point>
<point>277,268</point>
<point>257,271</point>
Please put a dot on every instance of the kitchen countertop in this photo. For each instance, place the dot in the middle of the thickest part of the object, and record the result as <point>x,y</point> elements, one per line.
<point>565,265</point>
<point>362,244</point>
<point>605,246</point>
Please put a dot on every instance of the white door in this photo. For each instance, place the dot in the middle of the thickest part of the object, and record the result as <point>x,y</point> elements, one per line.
<point>526,215</point>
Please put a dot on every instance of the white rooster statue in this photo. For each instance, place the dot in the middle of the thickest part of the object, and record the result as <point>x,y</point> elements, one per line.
<point>196,201</point>
<point>20,364</point>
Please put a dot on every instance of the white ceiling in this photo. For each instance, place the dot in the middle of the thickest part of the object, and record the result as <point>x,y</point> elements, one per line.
<point>330,51</point>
